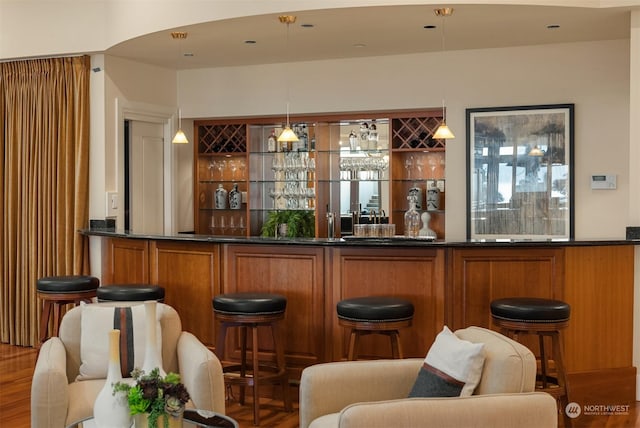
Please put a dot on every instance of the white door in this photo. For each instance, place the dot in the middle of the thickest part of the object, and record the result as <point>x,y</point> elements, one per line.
<point>146,178</point>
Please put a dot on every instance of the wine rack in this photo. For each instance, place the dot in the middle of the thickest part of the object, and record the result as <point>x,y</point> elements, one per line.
<point>222,138</point>
<point>416,133</point>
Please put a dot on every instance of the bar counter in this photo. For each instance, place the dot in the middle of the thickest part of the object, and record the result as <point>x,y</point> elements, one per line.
<point>449,283</point>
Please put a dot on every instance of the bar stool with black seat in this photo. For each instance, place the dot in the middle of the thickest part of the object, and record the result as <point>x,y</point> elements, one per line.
<point>130,293</point>
<point>544,318</point>
<point>375,315</point>
<point>56,291</point>
<point>250,311</point>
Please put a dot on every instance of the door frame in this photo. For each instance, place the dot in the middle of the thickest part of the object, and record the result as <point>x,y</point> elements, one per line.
<point>127,110</point>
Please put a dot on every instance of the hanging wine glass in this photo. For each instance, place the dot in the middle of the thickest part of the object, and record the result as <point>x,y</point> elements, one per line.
<point>221,165</point>
<point>233,166</point>
<point>419,165</point>
<point>408,164</point>
<point>242,166</point>
<point>433,163</point>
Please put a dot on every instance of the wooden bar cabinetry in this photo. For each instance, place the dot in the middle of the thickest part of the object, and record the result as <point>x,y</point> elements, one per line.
<point>449,283</point>
<point>395,151</point>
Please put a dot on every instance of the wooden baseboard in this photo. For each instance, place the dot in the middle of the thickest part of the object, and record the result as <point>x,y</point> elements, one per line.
<point>609,386</point>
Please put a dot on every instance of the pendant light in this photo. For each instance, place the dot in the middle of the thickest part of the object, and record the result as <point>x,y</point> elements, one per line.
<point>536,151</point>
<point>287,134</point>
<point>443,132</point>
<point>180,137</point>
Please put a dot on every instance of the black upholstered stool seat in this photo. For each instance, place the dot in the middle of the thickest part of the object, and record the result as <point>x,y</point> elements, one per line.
<point>374,315</point>
<point>375,309</point>
<point>57,291</point>
<point>544,318</point>
<point>130,293</point>
<point>67,284</point>
<point>249,303</point>
<point>530,309</point>
<point>248,312</point>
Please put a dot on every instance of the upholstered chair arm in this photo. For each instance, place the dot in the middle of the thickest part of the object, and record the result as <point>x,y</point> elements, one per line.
<point>49,386</point>
<point>522,410</point>
<point>201,373</point>
<point>328,388</point>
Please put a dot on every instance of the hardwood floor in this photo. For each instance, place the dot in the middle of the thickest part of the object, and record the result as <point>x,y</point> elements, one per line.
<point>16,369</point>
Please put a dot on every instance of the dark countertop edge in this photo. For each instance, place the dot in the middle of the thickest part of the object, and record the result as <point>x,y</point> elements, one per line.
<point>364,242</point>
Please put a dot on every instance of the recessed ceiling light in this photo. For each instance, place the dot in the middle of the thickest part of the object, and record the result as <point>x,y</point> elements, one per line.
<point>429,27</point>
<point>307,25</point>
<point>250,42</point>
<point>553,26</point>
<point>359,45</point>
<point>188,54</point>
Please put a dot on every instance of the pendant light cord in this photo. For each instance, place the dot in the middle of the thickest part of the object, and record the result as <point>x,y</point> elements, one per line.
<point>287,74</point>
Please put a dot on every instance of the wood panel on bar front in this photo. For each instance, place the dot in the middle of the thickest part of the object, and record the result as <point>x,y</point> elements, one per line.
<point>297,272</point>
<point>190,275</point>
<point>125,261</point>
<point>410,273</point>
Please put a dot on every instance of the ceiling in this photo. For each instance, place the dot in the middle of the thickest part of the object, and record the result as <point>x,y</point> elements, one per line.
<point>371,31</point>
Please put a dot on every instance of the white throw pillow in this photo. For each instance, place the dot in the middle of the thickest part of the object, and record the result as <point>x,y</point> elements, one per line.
<point>453,367</point>
<point>97,321</point>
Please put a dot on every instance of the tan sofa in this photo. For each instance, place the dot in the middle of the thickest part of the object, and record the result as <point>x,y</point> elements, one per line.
<point>58,400</point>
<point>370,394</point>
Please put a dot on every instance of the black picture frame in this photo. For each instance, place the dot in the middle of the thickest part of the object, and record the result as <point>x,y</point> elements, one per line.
<point>520,172</point>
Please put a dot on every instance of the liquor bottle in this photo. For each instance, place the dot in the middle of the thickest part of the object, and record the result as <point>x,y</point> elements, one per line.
<point>411,219</point>
<point>353,141</point>
<point>272,141</point>
<point>235,198</point>
<point>373,137</point>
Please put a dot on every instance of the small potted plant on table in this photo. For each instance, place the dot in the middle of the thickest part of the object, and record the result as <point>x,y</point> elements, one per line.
<point>155,401</point>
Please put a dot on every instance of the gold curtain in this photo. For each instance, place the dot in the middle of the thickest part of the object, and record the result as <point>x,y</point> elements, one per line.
<point>44,131</point>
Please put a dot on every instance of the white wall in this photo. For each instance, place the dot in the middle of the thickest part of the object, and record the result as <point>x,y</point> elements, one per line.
<point>594,76</point>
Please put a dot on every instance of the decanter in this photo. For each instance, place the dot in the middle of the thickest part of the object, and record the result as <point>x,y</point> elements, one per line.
<point>433,197</point>
<point>221,198</point>
<point>411,219</point>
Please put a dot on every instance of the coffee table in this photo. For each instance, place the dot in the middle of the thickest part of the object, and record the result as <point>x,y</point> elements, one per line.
<point>191,418</point>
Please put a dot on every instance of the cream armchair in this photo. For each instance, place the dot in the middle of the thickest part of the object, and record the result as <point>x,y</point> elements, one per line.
<point>370,394</point>
<point>58,400</point>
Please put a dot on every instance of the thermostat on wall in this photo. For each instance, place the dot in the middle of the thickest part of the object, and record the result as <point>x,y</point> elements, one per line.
<point>603,181</point>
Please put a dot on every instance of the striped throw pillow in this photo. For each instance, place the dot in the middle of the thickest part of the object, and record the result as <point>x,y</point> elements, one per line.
<point>96,322</point>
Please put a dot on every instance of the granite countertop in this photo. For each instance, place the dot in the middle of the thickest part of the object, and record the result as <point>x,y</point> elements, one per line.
<point>397,241</point>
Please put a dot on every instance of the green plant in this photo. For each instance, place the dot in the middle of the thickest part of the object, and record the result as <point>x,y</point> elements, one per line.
<point>300,223</point>
<point>154,394</point>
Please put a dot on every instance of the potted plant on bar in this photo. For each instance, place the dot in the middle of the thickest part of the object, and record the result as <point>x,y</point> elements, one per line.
<point>154,399</point>
<point>300,223</point>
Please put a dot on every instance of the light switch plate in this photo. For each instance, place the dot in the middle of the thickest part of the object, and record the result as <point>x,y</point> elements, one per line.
<point>112,204</point>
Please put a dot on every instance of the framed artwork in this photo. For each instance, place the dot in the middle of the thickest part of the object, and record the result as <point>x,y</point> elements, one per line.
<point>520,172</point>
